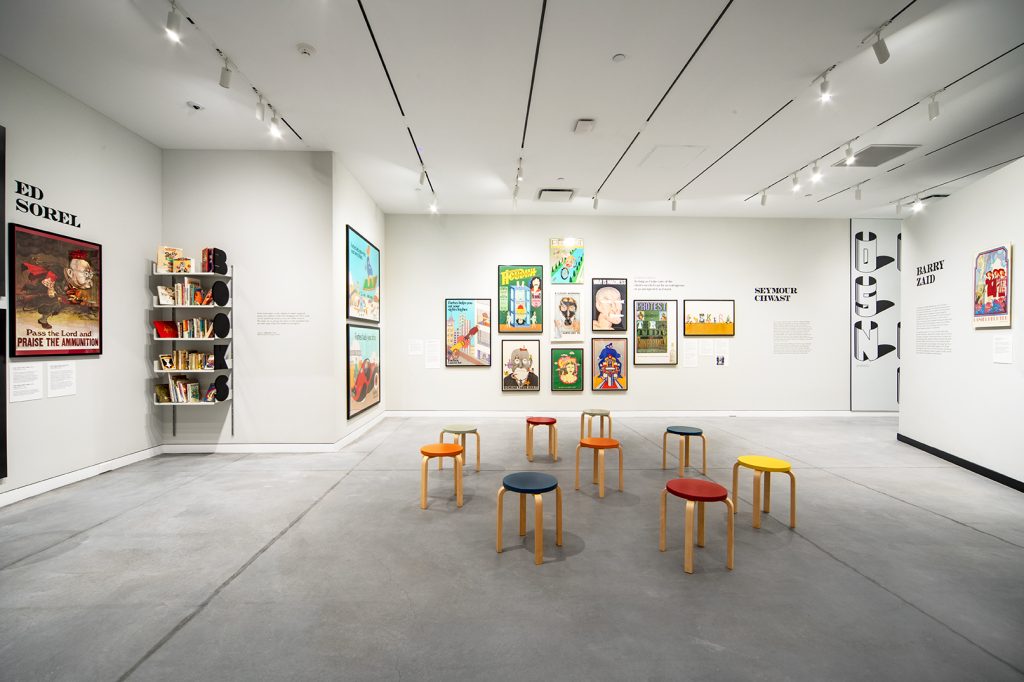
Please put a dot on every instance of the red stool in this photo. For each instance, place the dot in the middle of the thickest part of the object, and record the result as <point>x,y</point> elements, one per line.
<point>696,492</point>
<point>533,422</point>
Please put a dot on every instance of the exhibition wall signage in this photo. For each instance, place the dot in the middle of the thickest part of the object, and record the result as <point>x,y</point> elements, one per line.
<point>56,294</point>
<point>875,265</point>
<point>362,268</point>
<point>28,200</point>
<point>520,299</point>
<point>992,270</point>
<point>363,368</point>
<point>467,332</point>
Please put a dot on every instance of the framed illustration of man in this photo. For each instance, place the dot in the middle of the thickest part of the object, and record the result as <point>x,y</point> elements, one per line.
<point>608,362</point>
<point>55,291</point>
<point>608,305</point>
<point>520,366</point>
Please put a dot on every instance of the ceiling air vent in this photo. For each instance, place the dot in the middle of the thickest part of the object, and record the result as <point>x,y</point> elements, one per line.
<point>876,155</point>
<point>555,195</point>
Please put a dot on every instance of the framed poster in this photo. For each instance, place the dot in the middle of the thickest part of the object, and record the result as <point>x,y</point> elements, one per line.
<point>567,305</point>
<point>655,332</point>
<point>709,317</point>
<point>992,294</point>
<point>608,305</point>
<point>520,368</point>
<point>566,369</point>
<point>362,270</point>
<point>55,293</point>
<point>363,368</point>
<point>608,364</point>
<point>566,260</point>
<point>520,299</point>
<point>467,332</point>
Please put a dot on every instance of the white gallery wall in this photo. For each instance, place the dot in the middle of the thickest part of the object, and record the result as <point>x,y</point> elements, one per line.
<point>110,178</point>
<point>280,217</point>
<point>953,396</point>
<point>430,258</point>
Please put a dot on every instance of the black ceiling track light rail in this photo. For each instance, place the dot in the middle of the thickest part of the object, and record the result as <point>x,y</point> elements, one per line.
<point>667,91</point>
<point>394,91</point>
<point>977,132</point>
<point>833,150</point>
<point>533,74</point>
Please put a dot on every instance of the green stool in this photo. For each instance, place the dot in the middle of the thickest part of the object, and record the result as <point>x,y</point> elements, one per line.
<point>460,431</point>
<point>589,416</point>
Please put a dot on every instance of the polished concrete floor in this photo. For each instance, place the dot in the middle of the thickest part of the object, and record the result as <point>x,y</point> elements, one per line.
<point>324,567</point>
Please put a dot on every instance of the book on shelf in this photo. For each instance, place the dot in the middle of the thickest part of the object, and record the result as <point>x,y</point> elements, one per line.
<point>211,394</point>
<point>183,390</point>
<point>165,295</point>
<point>163,394</point>
<point>165,329</point>
<point>214,260</point>
<point>183,265</point>
<point>210,361</point>
<point>165,257</point>
<point>167,361</point>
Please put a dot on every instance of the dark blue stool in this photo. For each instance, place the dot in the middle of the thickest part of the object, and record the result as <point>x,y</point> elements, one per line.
<point>684,433</point>
<point>532,483</point>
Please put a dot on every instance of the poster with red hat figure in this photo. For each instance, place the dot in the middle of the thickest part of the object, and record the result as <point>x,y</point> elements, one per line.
<point>992,288</point>
<point>54,293</point>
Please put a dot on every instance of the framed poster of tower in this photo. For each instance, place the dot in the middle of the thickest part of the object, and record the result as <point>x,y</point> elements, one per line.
<point>467,332</point>
<point>362,273</point>
<point>520,299</point>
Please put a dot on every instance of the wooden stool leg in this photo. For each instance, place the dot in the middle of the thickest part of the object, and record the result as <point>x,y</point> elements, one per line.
<point>609,426</point>
<point>600,420</point>
<point>682,457</point>
<point>757,499</point>
<point>581,425</point>
<point>577,486</point>
<point>423,484</point>
<point>704,455</point>
<point>661,532</point>
<point>595,466</point>
<point>501,513</point>
<point>688,538</point>
<point>600,473</point>
<point>458,482</point>
<point>440,460</point>
<point>767,491</point>
<point>558,516</point>
<point>590,425</point>
<point>529,442</point>
<point>538,530</point>
<point>792,499</point>
<point>620,468</point>
<point>477,434</point>
<point>731,540</point>
<point>522,515</point>
<point>687,450</point>
<point>664,450</point>
<point>554,440</point>
<point>551,440</point>
<point>700,524</point>
<point>735,483</point>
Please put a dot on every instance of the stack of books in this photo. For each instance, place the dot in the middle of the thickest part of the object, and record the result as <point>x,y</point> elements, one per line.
<point>171,259</point>
<point>186,360</point>
<point>196,328</point>
<point>179,389</point>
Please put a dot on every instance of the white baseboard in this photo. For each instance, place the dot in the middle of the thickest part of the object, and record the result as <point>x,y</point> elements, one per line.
<point>641,413</point>
<point>33,489</point>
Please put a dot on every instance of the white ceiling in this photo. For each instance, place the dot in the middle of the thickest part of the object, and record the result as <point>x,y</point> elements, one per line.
<point>462,70</point>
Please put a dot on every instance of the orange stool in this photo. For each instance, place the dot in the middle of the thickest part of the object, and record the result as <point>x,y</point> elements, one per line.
<point>696,492</point>
<point>598,445</point>
<point>550,422</point>
<point>766,466</point>
<point>453,450</point>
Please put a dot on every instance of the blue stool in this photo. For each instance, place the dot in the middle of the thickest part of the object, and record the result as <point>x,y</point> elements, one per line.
<point>684,433</point>
<point>532,483</point>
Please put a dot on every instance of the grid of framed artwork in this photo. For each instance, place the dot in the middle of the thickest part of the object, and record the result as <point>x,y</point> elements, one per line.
<point>363,287</point>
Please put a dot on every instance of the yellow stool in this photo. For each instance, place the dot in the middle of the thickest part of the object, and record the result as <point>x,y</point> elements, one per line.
<point>598,445</point>
<point>452,450</point>
<point>460,431</point>
<point>589,416</point>
<point>766,466</point>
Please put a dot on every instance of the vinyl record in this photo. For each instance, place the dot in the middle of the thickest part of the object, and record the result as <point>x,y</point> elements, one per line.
<point>221,294</point>
<point>221,325</point>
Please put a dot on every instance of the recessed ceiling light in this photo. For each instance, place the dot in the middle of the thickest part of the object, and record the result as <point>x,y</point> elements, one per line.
<point>195,106</point>
<point>618,57</point>
<point>305,49</point>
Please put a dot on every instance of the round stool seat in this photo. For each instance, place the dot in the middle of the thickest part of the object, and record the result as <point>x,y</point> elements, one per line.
<point>458,428</point>
<point>539,421</point>
<point>697,490</point>
<point>685,430</point>
<point>597,412</point>
<point>761,463</point>
<point>529,482</point>
<point>441,450</point>
<point>599,443</point>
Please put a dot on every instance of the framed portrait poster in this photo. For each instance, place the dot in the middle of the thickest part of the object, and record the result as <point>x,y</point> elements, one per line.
<point>655,332</point>
<point>608,364</point>
<point>55,290</point>
<point>608,305</point>
<point>363,368</point>
<point>992,292</point>
<point>567,307</point>
<point>520,365</point>
<point>520,299</point>
<point>709,317</point>
<point>566,266</point>
<point>467,332</point>
<point>566,369</point>
<point>362,271</point>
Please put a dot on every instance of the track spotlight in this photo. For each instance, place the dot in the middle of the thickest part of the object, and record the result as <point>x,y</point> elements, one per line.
<point>261,109</point>
<point>856,193</point>
<point>918,204</point>
<point>816,174</point>
<point>173,26</point>
<point>423,175</point>
<point>796,183</point>
<point>595,202</point>
<point>850,156</point>
<point>225,75</point>
<point>673,202</point>
<point>880,48</point>
<point>933,109</point>
<point>826,93</point>
<point>764,198</point>
<point>433,206</point>
<point>519,171</point>
<point>275,129</point>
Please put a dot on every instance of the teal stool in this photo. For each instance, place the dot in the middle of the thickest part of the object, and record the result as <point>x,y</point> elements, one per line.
<point>684,433</point>
<point>460,431</point>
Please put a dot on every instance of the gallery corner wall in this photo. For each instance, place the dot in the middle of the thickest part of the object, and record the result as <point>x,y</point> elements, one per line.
<point>954,397</point>
<point>89,166</point>
<point>790,354</point>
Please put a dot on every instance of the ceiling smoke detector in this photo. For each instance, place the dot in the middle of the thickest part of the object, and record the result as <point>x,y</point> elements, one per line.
<point>305,49</point>
<point>558,195</point>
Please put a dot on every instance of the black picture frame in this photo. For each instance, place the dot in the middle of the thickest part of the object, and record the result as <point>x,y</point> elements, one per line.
<point>539,273</point>
<point>596,347</point>
<point>636,341</point>
<point>349,231</point>
<point>731,301</point>
<point>489,331</point>
<point>3,311</point>
<point>618,283</point>
<point>17,267</point>
<point>533,385</point>
<point>374,380</point>
<point>578,352</point>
